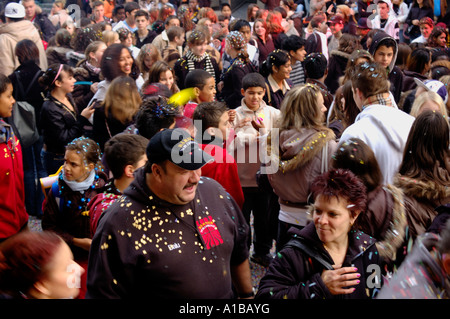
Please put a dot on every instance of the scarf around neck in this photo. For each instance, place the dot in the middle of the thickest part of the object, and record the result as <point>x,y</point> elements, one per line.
<point>382,98</point>
<point>80,186</point>
<point>192,58</point>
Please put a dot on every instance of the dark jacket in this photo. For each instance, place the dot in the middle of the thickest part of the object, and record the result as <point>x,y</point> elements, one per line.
<point>408,80</point>
<point>60,126</point>
<point>264,48</point>
<point>27,72</point>
<point>106,127</point>
<point>232,80</point>
<point>58,55</point>
<point>82,93</point>
<point>416,13</point>
<point>296,274</point>
<point>65,213</point>
<point>336,68</point>
<point>45,26</point>
<point>148,39</point>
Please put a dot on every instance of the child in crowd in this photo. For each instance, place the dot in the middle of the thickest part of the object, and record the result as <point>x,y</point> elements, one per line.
<point>211,120</point>
<point>60,120</point>
<point>65,208</point>
<point>160,72</point>
<point>126,38</point>
<point>171,52</point>
<point>13,215</point>
<point>204,90</point>
<point>253,120</point>
<point>154,115</point>
<point>148,55</point>
<point>196,57</point>
<point>316,67</point>
<point>124,154</point>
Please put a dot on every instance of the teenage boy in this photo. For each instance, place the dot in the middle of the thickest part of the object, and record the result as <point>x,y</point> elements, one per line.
<point>124,154</point>
<point>212,121</point>
<point>295,46</point>
<point>317,41</point>
<point>316,67</point>
<point>379,124</point>
<point>253,120</point>
<point>384,50</point>
<point>172,52</point>
<point>385,19</point>
<point>336,24</point>
<point>162,41</point>
<point>143,35</point>
<point>130,10</point>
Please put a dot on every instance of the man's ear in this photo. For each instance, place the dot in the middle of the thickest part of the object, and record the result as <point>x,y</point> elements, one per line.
<point>242,91</point>
<point>129,171</point>
<point>196,91</point>
<point>157,172</point>
<point>211,131</point>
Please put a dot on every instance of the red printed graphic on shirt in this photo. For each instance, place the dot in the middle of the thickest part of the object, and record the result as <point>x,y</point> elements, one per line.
<point>209,232</point>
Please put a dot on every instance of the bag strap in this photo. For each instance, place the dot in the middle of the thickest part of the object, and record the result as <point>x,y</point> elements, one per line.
<point>23,93</point>
<point>57,194</point>
<point>294,242</point>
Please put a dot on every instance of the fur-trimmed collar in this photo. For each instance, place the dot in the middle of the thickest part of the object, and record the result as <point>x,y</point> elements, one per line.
<point>427,190</point>
<point>340,53</point>
<point>298,148</point>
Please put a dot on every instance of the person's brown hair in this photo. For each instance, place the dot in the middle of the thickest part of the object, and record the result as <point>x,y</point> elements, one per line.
<point>356,156</point>
<point>371,79</point>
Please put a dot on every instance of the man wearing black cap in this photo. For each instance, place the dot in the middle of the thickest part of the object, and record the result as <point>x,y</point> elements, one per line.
<point>173,234</point>
<point>362,29</point>
<point>336,24</point>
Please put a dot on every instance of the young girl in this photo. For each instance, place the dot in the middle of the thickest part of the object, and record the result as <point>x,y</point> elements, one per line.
<point>60,120</point>
<point>306,147</point>
<point>65,209</point>
<point>117,111</point>
<point>13,215</point>
<point>277,69</point>
<point>126,38</point>
<point>146,57</point>
<point>160,72</point>
<point>196,58</point>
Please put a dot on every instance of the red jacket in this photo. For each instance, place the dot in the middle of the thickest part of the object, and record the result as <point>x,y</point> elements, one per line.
<point>224,171</point>
<point>13,215</point>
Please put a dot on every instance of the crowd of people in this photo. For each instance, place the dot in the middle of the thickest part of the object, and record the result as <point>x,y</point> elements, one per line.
<point>183,142</point>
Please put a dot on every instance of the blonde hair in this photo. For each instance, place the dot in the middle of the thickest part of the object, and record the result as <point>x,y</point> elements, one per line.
<point>110,37</point>
<point>122,99</point>
<point>416,108</point>
<point>300,109</point>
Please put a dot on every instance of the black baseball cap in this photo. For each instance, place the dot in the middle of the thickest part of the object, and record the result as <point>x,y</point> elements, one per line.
<point>177,146</point>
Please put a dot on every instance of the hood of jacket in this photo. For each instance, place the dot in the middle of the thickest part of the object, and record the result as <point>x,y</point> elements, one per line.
<point>423,190</point>
<point>340,54</point>
<point>294,148</point>
<point>377,38</point>
<point>17,30</point>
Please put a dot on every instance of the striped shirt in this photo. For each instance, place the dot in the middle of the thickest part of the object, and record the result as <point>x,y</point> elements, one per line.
<point>297,74</point>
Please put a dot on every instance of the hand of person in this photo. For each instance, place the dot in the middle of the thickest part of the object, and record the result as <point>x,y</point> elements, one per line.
<point>220,86</point>
<point>94,87</point>
<point>231,115</point>
<point>84,243</point>
<point>336,280</point>
<point>415,22</point>
<point>243,122</point>
<point>88,111</point>
<point>258,123</point>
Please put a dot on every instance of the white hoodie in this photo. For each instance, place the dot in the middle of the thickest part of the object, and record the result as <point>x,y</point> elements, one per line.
<point>385,130</point>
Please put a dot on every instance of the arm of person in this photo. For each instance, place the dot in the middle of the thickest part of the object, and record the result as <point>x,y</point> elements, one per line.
<point>288,278</point>
<point>241,276</point>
